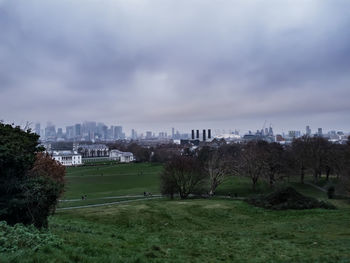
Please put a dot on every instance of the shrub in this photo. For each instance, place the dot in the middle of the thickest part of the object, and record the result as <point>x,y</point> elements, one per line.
<point>14,238</point>
<point>287,198</point>
<point>330,192</point>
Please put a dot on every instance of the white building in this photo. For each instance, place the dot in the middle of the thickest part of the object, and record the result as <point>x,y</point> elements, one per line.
<point>123,157</point>
<point>67,158</point>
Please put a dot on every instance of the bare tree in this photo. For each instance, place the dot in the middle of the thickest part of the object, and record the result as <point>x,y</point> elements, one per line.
<point>300,154</point>
<point>182,175</point>
<point>275,161</point>
<point>216,168</point>
<point>252,162</point>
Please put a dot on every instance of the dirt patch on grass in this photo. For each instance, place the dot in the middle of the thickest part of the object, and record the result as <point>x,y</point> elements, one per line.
<point>182,203</point>
<point>213,206</point>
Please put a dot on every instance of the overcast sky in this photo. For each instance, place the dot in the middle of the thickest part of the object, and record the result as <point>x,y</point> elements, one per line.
<point>163,63</point>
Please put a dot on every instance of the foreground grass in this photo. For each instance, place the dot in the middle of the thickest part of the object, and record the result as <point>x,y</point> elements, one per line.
<point>195,231</point>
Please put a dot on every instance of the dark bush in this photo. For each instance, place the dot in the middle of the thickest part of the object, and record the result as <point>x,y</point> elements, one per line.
<point>331,192</point>
<point>287,198</point>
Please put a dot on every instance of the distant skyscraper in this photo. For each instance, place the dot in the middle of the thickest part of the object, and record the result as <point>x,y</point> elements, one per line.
<point>37,128</point>
<point>308,130</point>
<point>148,134</point>
<point>133,134</point>
<point>319,132</point>
<point>77,130</point>
<point>172,133</point>
<point>89,129</point>
<point>59,133</point>
<point>270,131</point>
<point>50,131</point>
<point>118,133</point>
<point>69,132</point>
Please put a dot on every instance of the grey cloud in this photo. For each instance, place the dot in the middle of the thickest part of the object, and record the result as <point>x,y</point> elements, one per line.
<point>166,62</point>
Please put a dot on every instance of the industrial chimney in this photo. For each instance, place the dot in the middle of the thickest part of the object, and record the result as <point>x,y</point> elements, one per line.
<point>204,136</point>
<point>192,134</point>
<point>197,137</point>
<point>209,133</point>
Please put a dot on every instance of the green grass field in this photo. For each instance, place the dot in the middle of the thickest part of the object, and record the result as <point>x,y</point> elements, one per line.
<point>194,230</point>
<point>112,180</point>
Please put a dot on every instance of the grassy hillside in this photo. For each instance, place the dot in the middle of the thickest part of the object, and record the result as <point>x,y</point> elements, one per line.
<point>195,231</point>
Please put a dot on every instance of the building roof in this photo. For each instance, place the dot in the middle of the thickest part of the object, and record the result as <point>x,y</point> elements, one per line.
<point>93,146</point>
<point>64,153</point>
<point>122,153</point>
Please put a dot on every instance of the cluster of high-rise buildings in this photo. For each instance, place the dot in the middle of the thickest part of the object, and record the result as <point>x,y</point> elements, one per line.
<point>86,131</point>
<point>98,131</point>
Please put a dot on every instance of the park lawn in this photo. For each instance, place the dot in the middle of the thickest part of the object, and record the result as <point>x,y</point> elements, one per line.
<point>112,180</point>
<point>196,230</point>
<point>136,178</point>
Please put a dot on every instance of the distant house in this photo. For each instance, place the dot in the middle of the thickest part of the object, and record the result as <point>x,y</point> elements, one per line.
<point>93,150</point>
<point>67,158</point>
<point>123,157</point>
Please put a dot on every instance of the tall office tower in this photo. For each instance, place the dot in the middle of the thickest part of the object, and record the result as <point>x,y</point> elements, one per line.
<point>197,134</point>
<point>148,134</point>
<point>266,131</point>
<point>209,133</point>
<point>50,131</point>
<point>101,130</point>
<point>204,136</point>
<point>319,132</point>
<point>77,130</point>
<point>133,134</point>
<point>192,137</point>
<point>69,132</point>
<point>89,129</point>
<point>104,132</point>
<point>118,132</point>
<point>308,130</point>
<point>172,133</point>
<point>270,131</point>
<point>37,128</point>
<point>59,133</point>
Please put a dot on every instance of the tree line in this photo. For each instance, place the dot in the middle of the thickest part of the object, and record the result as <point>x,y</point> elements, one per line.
<point>202,171</point>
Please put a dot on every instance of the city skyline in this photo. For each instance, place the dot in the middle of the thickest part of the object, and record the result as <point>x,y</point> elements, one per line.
<point>119,132</point>
<point>140,64</point>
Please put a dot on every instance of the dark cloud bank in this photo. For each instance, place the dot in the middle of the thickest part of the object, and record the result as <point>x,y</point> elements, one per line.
<point>157,64</point>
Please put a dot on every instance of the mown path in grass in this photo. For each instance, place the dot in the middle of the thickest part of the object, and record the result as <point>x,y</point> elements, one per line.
<point>110,202</point>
